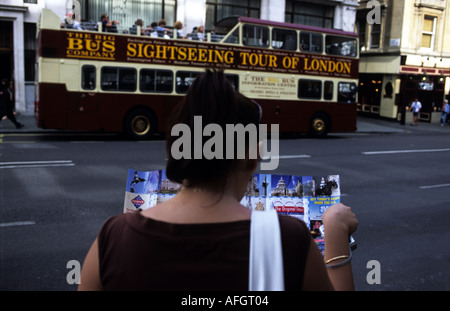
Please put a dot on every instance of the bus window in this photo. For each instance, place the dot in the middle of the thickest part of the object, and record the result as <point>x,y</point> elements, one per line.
<point>309,89</point>
<point>284,39</point>
<point>184,80</point>
<point>341,46</point>
<point>156,81</point>
<point>234,37</point>
<point>118,79</point>
<point>88,77</point>
<point>311,42</point>
<point>256,36</point>
<point>328,90</point>
<point>347,92</point>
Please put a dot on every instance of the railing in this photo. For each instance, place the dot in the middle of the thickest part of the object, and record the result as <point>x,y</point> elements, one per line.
<point>137,30</point>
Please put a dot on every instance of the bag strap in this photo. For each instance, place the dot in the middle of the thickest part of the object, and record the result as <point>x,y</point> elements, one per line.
<point>266,271</point>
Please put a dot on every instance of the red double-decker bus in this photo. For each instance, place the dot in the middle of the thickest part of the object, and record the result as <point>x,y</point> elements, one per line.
<point>305,78</point>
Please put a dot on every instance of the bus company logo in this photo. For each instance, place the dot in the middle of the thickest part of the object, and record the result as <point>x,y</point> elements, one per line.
<point>137,201</point>
<point>90,45</point>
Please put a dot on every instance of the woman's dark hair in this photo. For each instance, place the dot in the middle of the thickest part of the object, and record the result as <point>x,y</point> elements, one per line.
<point>212,97</point>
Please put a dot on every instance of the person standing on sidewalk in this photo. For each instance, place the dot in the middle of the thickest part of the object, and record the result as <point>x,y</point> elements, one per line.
<point>6,104</point>
<point>444,112</point>
<point>415,108</point>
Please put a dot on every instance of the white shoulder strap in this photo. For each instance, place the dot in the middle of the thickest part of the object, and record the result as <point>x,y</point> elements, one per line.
<point>266,258</point>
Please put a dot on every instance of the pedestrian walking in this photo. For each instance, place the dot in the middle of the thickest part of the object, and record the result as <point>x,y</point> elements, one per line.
<point>444,112</point>
<point>415,108</point>
<point>7,103</point>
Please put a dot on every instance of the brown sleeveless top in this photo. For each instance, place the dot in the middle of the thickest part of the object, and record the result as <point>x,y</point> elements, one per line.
<point>139,253</point>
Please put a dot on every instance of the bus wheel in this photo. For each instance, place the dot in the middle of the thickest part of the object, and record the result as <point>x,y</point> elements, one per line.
<point>319,125</point>
<point>140,124</point>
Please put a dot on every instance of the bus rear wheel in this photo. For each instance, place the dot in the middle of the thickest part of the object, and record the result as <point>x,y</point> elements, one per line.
<point>140,124</point>
<point>319,125</point>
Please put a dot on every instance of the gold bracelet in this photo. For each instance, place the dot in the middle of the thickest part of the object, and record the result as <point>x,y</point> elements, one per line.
<point>336,258</point>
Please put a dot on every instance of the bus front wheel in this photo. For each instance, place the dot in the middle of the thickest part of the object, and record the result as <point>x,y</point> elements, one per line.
<point>319,125</point>
<point>140,124</point>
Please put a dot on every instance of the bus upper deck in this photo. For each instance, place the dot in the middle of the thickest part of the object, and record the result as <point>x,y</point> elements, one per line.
<point>305,42</point>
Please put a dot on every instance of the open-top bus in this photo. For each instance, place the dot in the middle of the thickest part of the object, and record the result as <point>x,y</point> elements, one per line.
<point>305,78</point>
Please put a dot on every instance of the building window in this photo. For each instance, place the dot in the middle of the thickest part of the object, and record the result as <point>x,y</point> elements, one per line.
<point>217,10</point>
<point>428,32</point>
<point>305,13</point>
<point>6,37</point>
<point>362,28</point>
<point>30,1</point>
<point>375,36</point>
<point>29,30</point>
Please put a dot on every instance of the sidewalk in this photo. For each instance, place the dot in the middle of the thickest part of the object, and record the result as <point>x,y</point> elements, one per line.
<point>6,126</point>
<point>374,125</point>
<point>365,125</point>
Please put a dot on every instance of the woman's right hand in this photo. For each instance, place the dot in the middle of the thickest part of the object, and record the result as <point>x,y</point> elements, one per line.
<point>339,217</point>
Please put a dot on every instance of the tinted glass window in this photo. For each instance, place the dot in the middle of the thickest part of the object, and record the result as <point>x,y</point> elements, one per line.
<point>118,79</point>
<point>347,92</point>
<point>156,81</point>
<point>311,42</point>
<point>310,89</point>
<point>284,39</point>
<point>255,36</point>
<point>342,46</point>
<point>234,37</point>
<point>328,90</point>
<point>88,76</point>
<point>184,79</point>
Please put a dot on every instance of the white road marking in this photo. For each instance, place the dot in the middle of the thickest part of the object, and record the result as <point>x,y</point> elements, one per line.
<point>434,186</point>
<point>297,156</point>
<point>405,151</point>
<point>27,164</point>
<point>17,223</point>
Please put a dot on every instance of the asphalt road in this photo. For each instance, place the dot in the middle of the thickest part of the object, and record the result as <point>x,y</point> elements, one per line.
<point>56,189</point>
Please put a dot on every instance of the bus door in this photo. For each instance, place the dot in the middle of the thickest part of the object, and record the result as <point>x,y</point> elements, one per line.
<point>84,105</point>
<point>285,113</point>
